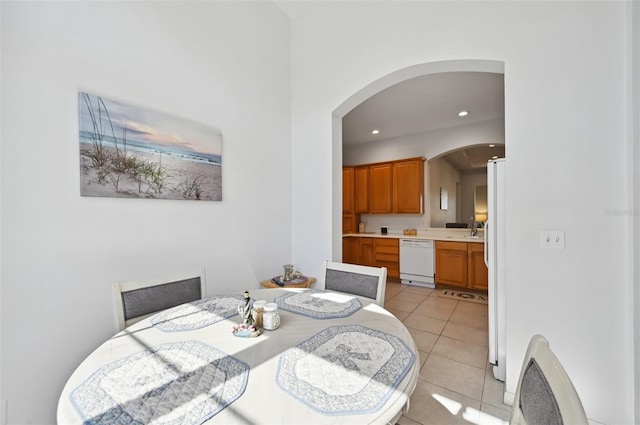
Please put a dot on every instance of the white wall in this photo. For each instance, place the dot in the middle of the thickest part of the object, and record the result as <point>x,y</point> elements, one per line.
<point>634,124</point>
<point>443,176</point>
<point>566,67</point>
<point>224,64</point>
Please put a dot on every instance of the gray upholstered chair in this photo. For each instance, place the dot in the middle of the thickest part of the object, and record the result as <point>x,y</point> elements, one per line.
<point>135,300</point>
<point>354,279</point>
<point>545,394</point>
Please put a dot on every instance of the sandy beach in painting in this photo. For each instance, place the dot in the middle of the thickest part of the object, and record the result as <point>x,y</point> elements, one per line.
<point>180,175</point>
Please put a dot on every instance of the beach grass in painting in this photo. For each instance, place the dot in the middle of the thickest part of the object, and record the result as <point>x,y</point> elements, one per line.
<point>132,152</point>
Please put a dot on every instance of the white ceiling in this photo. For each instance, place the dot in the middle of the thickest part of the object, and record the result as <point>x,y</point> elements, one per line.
<point>427,103</point>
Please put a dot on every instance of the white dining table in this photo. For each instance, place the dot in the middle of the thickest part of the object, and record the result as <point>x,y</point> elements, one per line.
<point>334,359</point>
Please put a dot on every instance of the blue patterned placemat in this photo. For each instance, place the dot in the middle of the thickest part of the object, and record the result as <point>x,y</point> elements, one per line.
<point>197,314</point>
<point>319,304</point>
<point>345,370</point>
<point>177,383</point>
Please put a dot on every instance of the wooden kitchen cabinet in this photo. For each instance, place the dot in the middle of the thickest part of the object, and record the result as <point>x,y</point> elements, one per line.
<point>361,190</point>
<point>387,254</point>
<point>348,192</point>
<point>367,252</point>
<point>350,250</point>
<point>380,191</point>
<point>451,263</point>
<point>408,186</point>
<point>349,223</point>
<point>478,271</point>
<point>350,218</point>
<point>461,264</point>
<point>374,252</point>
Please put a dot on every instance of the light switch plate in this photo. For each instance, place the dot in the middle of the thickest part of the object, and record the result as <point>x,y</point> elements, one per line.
<point>552,239</point>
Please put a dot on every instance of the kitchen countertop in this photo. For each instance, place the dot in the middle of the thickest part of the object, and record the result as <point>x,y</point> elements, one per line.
<point>451,235</point>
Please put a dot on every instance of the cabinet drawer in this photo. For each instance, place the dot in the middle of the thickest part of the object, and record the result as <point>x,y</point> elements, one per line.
<point>382,256</point>
<point>389,246</point>
<point>388,249</point>
<point>456,246</point>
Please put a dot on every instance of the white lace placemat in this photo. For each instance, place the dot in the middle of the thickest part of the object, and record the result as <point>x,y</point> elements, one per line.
<point>177,383</point>
<point>319,304</point>
<point>345,369</point>
<point>197,314</point>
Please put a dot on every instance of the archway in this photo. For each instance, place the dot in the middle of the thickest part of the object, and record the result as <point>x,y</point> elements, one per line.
<point>375,87</point>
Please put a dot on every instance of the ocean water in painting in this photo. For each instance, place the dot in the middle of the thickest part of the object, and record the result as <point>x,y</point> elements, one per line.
<point>128,151</point>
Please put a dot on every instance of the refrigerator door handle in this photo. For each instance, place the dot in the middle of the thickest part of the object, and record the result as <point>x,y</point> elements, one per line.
<point>486,244</point>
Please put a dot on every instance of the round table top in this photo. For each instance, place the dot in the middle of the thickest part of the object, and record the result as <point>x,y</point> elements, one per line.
<point>336,358</point>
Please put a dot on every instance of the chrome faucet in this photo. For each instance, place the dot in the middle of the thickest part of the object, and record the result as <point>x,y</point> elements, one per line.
<point>473,226</point>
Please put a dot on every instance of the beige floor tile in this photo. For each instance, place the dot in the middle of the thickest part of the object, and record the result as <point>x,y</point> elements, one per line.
<point>462,351</point>
<point>418,290</point>
<point>424,355</point>
<point>479,321</point>
<point>418,321</point>
<point>493,391</point>
<point>401,315</point>
<point>435,405</point>
<point>391,291</point>
<point>473,308</point>
<point>434,311</point>
<point>436,301</point>
<point>411,297</point>
<point>459,377</point>
<point>424,340</point>
<point>398,304</point>
<point>466,333</point>
<point>491,415</point>
<point>406,421</point>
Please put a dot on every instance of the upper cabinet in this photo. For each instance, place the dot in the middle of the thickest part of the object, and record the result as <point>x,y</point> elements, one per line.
<point>348,192</point>
<point>381,188</point>
<point>408,186</point>
<point>395,187</point>
<point>361,180</point>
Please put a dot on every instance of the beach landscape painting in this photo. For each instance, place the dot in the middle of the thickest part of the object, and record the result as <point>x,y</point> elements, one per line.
<point>132,152</point>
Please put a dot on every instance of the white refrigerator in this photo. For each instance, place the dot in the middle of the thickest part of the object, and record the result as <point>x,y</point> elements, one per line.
<point>494,257</point>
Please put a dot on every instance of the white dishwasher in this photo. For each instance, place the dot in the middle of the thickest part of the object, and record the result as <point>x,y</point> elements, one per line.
<point>416,262</point>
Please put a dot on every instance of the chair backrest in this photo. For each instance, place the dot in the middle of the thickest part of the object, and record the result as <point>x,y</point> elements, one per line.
<point>134,300</point>
<point>545,394</point>
<point>354,279</point>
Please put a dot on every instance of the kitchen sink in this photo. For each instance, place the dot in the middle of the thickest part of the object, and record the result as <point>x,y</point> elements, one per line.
<point>472,237</point>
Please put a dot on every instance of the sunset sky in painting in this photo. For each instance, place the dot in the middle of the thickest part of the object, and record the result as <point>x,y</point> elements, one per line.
<point>154,127</point>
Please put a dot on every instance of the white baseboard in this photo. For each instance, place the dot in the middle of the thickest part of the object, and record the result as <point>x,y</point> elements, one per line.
<point>508,398</point>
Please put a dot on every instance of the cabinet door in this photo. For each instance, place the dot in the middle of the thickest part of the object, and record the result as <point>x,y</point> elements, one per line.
<point>361,190</point>
<point>349,223</point>
<point>451,263</point>
<point>351,250</point>
<point>478,272</point>
<point>367,252</point>
<point>388,255</point>
<point>408,186</point>
<point>380,178</point>
<point>347,190</point>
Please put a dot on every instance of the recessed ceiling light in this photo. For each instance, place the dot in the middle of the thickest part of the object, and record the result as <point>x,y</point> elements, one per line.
<point>463,113</point>
<point>375,131</point>
<point>494,157</point>
<point>492,146</point>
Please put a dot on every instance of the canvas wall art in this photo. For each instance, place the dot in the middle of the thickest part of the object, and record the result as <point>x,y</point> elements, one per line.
<point>132,152</point>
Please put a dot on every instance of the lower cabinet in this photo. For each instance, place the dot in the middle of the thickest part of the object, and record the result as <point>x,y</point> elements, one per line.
<point>461,264</point>
<point>374,252</point>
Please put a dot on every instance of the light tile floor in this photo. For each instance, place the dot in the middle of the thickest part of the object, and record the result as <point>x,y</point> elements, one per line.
<point>456,384</point>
